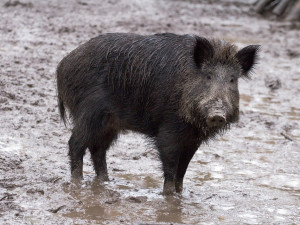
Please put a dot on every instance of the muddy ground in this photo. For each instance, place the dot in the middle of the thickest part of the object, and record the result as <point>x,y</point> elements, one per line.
<point>250,175</point>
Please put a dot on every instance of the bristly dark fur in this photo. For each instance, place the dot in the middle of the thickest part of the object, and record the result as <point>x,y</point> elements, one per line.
<point>164,86</point>
<point>224,52</point>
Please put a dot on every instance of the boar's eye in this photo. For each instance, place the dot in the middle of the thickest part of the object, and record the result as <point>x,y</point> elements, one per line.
<point>232,80</point>
<point>208,77</point>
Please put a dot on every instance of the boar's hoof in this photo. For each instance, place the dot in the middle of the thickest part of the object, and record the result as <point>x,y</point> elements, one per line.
<point>169,188</point>
<point>215,121</point>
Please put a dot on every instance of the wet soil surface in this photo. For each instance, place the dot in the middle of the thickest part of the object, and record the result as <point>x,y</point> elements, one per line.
<point>250,175</point>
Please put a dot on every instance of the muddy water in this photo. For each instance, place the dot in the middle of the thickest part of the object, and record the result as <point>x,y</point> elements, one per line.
<point>249,175</point>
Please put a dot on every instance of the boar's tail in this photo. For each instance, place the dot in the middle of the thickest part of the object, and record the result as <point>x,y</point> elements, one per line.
<point>59,91</point>
<point>62,110</point>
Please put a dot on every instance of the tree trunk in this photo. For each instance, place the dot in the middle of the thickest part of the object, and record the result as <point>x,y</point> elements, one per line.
<point>294,15</point>
<point>280,8</point>
<point>259,7</point>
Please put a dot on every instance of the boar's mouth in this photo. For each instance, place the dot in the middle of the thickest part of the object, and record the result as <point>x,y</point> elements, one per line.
<point>213,120</point>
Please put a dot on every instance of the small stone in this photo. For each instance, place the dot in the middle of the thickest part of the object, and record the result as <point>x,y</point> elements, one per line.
<point>136,157</point>
<point>273,84</point>
<point>138,199</point>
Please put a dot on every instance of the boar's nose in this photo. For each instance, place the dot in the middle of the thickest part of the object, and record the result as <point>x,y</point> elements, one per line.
<point>216,121</point>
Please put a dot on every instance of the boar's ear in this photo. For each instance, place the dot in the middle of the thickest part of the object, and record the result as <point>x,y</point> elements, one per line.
<point>203,51</point>
<point>247,58</point>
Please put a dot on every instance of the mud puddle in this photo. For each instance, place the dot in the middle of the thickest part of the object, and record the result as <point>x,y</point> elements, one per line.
<point>250,175</point>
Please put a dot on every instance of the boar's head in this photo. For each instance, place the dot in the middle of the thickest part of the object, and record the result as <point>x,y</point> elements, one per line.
<point>210,95</point>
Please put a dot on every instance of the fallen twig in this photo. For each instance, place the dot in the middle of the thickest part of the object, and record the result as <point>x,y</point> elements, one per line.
<point>286,136</point>
<point>56,210</point>
<point>7,196</point>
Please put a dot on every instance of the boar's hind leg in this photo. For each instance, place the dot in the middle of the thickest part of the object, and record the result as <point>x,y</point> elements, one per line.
<point>186,155</point>
<point>76,151</point>
<point>98,153</point>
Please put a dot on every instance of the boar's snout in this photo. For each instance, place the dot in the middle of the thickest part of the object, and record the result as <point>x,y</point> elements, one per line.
<point>216,114</point>
<point>215,120</point>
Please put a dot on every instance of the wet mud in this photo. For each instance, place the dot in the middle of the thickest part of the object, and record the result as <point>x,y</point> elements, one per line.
<point>249,175</point>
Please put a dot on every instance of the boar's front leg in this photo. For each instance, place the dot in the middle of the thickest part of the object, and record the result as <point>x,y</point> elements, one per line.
<point>169,144</point>
<point>189,148</point>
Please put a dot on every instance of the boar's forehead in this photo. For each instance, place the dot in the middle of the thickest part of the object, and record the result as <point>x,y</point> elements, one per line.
<point>221,71</point>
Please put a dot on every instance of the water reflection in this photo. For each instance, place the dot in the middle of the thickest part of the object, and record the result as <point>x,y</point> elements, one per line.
<point>93,199</point>
<point>170,210</point>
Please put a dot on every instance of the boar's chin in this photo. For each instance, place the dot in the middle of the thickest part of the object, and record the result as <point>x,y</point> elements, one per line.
<point>197,119</point>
